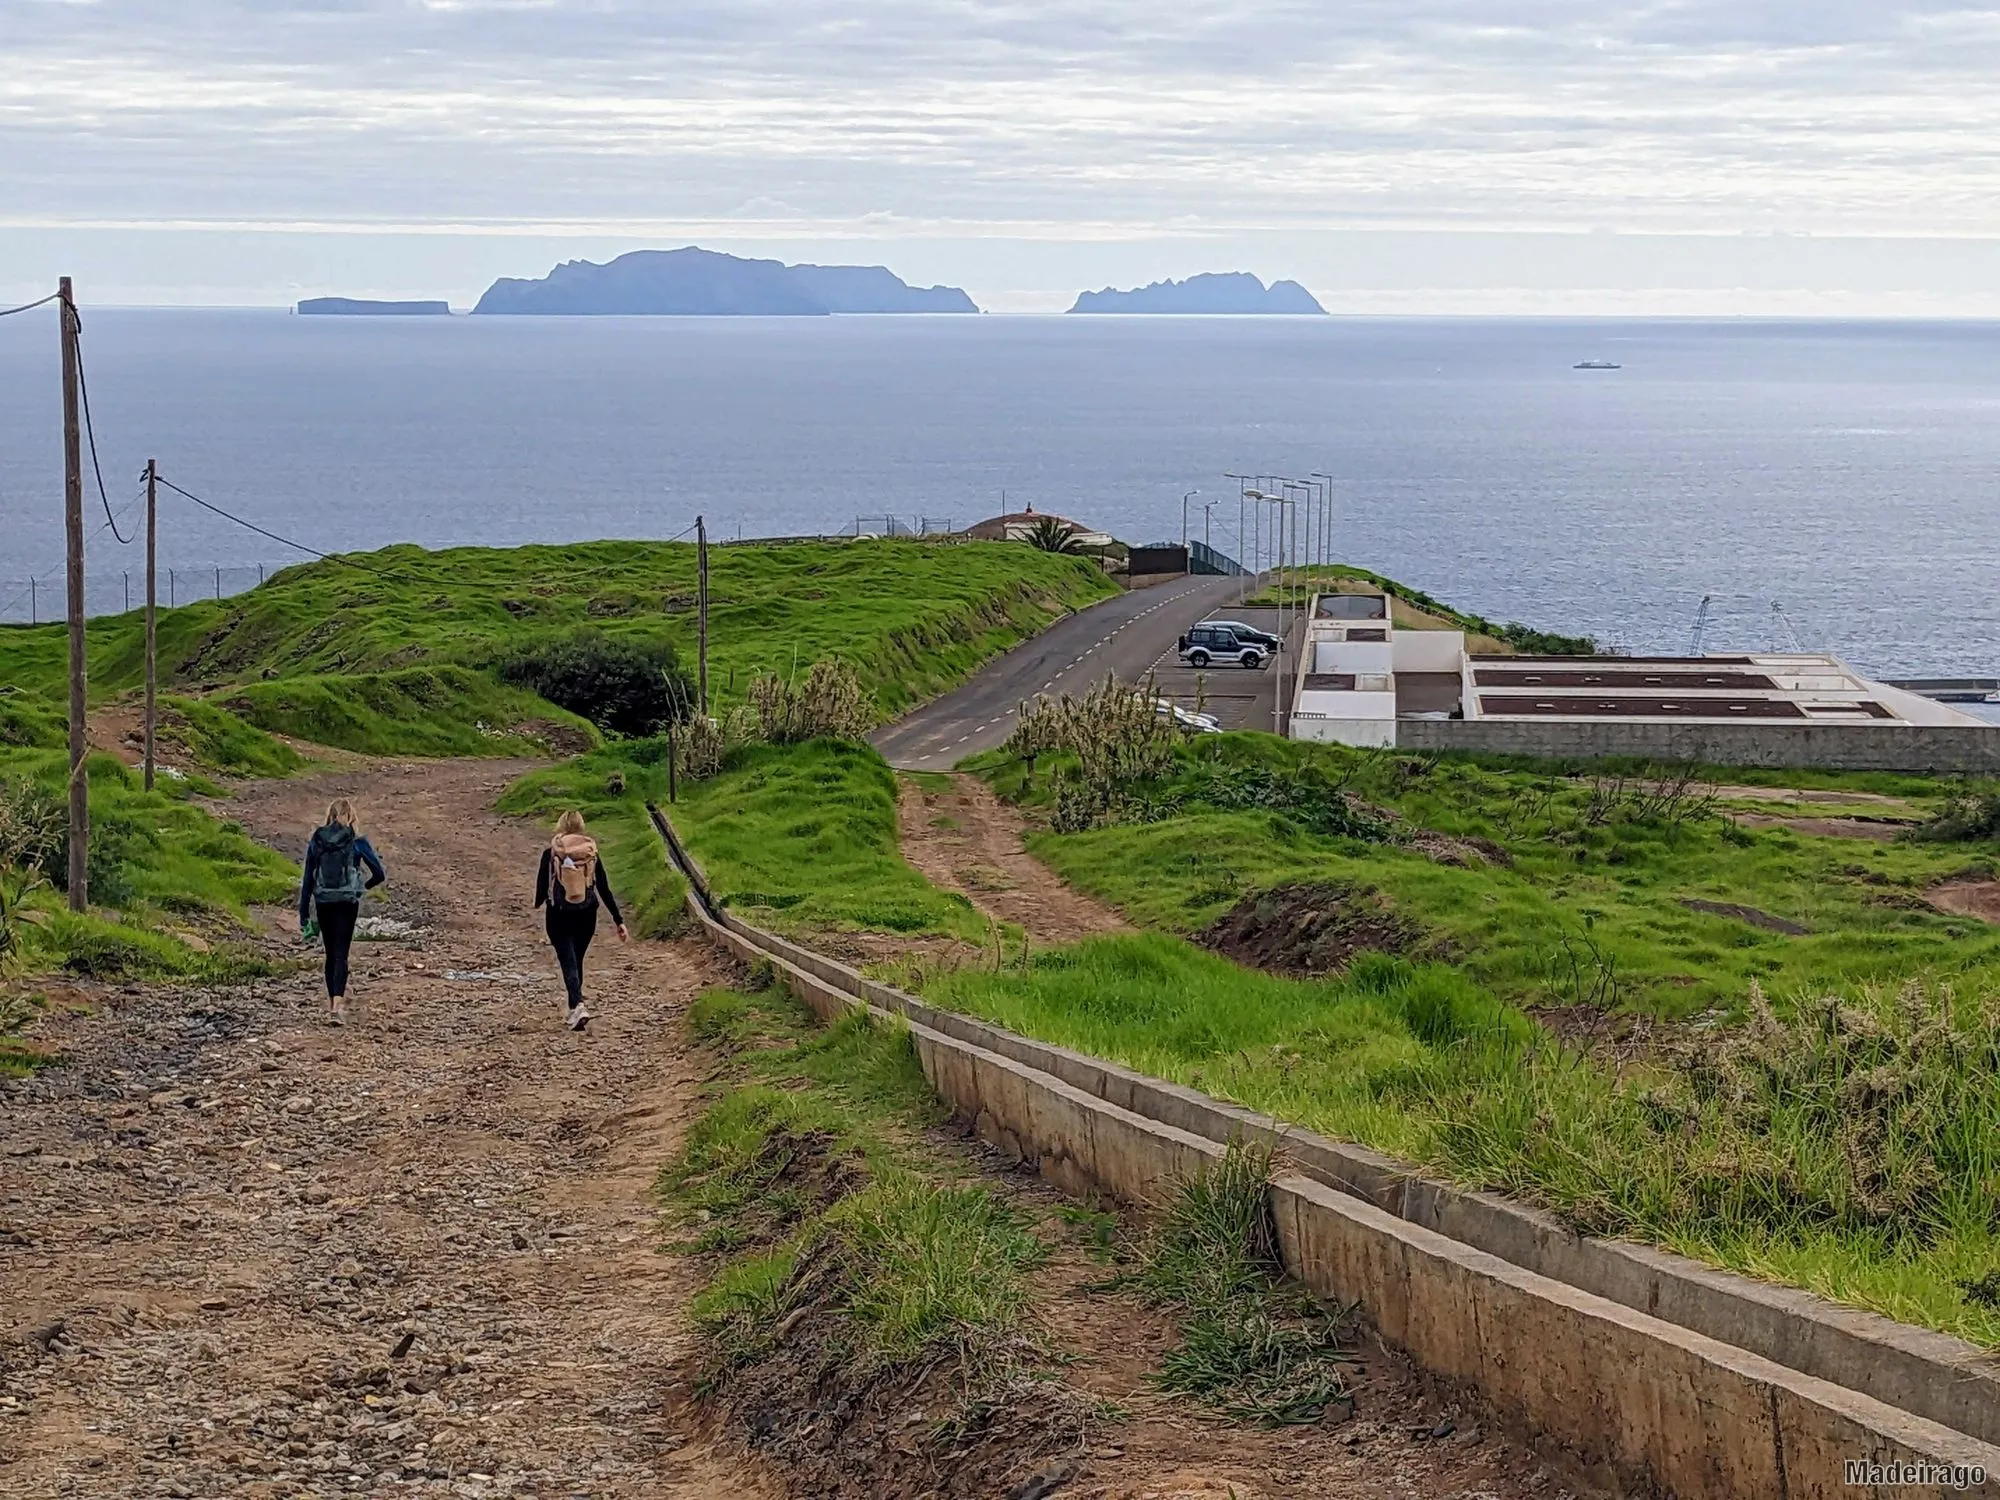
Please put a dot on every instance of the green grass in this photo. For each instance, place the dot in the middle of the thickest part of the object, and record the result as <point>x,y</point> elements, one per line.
<point>1253,1343</point>
<point>611,788</point>
<point>804,837</point>
<point>225,741</point>
<point>1418,610</point>
<point>1435,1061</point>
<point>1574,898</point>
<point>440,711</point>
<point>916,617</point>
<point>170,883</point>
<point>845,1255</point>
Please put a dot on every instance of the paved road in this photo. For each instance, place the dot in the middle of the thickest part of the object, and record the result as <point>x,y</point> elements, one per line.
<point>1129,635</point>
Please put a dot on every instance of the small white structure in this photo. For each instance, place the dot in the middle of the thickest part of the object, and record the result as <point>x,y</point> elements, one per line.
<point>1351,663</point>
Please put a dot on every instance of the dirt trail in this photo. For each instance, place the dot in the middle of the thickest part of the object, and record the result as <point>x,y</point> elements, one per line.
<point>968,840</point>
<point>243,1253</point>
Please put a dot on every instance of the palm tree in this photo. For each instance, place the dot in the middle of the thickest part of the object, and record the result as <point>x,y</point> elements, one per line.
<point>1049,534</point>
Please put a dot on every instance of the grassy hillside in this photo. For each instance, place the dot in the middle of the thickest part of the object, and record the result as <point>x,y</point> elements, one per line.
<point>1550,890</point>
<point>1688,1074</point>
<point>170,887</point>
<point>333,636</point>
<point>803,837</point>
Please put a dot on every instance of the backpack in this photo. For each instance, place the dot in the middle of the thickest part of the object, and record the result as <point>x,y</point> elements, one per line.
<point>574,857</point>
<point>339,877</point>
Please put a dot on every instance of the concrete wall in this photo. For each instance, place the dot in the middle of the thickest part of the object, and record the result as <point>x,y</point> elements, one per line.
<point>1653,1406</point>
<point>1845,747</point>
<point>1429,650</point>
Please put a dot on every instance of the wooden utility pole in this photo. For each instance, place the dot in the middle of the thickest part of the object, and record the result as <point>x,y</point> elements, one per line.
<point>701,602</point>
<point>152,612</point>
<point>79,781</point>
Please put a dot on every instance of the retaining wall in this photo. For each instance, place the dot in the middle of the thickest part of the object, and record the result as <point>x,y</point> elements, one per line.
<point>1969,749</point>
<point>1631,1380</point>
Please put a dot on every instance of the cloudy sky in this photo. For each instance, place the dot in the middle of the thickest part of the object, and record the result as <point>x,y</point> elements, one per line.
<point>1740,155</point>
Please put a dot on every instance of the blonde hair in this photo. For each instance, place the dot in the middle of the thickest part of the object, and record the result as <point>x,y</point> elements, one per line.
<point>340,811</point>
<point>570,822</point>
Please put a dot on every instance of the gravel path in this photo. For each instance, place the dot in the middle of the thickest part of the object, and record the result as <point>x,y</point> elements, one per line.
<point>243,1253</point>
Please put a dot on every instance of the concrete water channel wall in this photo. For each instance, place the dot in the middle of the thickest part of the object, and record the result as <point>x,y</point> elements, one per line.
<point>1660,1375</point>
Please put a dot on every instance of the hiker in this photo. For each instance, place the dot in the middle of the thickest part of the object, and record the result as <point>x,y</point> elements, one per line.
<point>570,881</point>
<point>330,894</point>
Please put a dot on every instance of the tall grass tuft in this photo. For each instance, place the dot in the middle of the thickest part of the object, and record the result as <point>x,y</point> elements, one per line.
<point>1253,1344</point>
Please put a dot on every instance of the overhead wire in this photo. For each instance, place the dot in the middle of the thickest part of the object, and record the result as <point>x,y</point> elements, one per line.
<point>253,526</point>
<point>8,312</point>
<point>83,390</point>
<point>35,574</point>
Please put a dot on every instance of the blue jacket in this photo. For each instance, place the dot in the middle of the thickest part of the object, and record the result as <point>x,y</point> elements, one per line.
<point>363,851</point>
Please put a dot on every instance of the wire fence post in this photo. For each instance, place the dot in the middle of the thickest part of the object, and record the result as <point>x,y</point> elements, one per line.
<point>34,602</point>
<point>128,591</point>
<point>218,582</point>
<point>171,600</point>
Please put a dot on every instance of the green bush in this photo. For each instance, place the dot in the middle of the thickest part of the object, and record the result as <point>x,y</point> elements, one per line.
<point>1970,814</point>
<point>624,686</point>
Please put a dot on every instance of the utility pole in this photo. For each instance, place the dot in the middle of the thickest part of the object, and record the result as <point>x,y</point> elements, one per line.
<point>152,620</point>
<point>79,782</point>
<point>701,602</point>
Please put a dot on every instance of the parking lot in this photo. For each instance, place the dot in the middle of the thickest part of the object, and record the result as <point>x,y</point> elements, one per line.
<point>1239,698</point>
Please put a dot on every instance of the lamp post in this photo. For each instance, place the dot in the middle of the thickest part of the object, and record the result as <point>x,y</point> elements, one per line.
<point>1326,519</point>
<point>1184,517</point>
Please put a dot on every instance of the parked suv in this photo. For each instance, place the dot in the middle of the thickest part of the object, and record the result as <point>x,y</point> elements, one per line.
<point>1220,643</point>
<point>1248,634</point>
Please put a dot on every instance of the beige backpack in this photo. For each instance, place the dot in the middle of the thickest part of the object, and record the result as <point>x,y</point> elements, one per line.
<point>575,858</point>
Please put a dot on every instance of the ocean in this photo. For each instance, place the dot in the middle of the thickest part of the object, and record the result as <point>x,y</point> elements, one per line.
<point>1839,482</point>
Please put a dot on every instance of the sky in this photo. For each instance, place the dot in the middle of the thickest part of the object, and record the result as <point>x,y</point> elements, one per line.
<point>1752,156</point>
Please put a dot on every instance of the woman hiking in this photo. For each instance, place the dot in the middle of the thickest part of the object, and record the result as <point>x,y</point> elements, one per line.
<point>569,882</point>
<point>331,892</point>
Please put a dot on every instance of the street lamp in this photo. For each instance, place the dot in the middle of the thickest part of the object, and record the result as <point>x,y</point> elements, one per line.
<point>1326,519</point>
<point>1184,517</point>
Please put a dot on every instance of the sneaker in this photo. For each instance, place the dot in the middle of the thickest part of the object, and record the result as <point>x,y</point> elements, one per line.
<point>337,1013</point>
<point>579,1018</point>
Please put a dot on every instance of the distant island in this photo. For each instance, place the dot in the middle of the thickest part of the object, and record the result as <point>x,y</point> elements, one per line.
<point>707,283</point>
<point>356,307</point>
<point>1213,292</point>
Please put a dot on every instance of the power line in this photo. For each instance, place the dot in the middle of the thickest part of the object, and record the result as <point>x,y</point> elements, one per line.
<point>83,389</point>
<point>52,572</point>
<point>253,526</point>
<point>8,312</point>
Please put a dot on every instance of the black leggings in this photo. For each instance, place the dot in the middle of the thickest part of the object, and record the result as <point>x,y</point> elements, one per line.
<point>570,929</point>
<point>336,928</point>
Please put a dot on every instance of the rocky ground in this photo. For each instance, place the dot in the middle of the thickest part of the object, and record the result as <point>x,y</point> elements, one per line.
<point>242,1252</point>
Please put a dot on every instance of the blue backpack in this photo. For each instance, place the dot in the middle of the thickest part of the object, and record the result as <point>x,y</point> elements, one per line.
<point>339,877</point>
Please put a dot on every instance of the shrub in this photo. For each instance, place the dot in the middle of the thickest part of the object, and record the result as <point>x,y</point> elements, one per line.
<point>29,830</point>
<point>828,703</point>
<point>622,686</point>
<point>1970,814</point>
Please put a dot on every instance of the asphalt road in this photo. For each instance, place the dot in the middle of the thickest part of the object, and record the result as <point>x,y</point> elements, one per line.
<point>1129,635</point>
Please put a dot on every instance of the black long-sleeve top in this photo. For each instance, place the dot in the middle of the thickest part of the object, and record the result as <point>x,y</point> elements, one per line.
<point>363,851</point>
<point>545,871</point>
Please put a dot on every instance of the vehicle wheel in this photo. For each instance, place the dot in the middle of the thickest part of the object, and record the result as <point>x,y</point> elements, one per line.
<point>1197,659</point>
<point>1253,661</point>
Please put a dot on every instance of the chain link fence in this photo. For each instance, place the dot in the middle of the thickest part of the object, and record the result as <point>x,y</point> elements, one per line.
<point>43,598</point>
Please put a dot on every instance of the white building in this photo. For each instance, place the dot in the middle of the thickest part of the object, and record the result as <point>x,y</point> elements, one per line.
<point>1361,676</point>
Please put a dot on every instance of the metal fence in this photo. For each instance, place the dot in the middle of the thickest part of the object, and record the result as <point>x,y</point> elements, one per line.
<point>898,526</point>
<point>42,598</point>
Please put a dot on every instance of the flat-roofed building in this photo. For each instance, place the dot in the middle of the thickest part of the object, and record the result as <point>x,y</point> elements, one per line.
<point>1364,680</point>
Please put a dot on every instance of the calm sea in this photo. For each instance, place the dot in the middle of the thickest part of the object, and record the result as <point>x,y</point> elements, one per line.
<point>1847,473</point>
